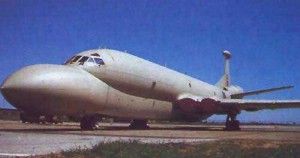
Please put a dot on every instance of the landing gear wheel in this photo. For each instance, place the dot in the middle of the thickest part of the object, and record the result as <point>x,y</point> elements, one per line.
<point>88,123</point>
<point>23,118</point>
<point>139,124</point>
<point>231,123</point>
<point>49,119</point>
<point>30,118</point>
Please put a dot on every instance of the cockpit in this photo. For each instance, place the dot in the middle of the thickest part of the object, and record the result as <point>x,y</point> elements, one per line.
<point>91,59</point>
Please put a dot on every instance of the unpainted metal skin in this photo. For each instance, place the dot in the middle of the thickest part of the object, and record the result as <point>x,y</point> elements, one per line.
<point>115,84</point>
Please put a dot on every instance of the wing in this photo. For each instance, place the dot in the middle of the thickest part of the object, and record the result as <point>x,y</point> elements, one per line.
<point>254,105</point>
<point>215,106</point>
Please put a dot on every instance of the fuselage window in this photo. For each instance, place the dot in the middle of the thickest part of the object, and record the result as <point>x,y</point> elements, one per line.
<point>76,58</point>
<point>99,61</point>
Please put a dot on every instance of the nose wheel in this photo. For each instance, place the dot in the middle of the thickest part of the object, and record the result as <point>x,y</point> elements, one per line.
<point>89,122</point>
<point>231,123</point>
<point>139,124</point>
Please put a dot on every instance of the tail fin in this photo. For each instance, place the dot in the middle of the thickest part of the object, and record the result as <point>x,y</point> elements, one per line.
<point>225,80</point>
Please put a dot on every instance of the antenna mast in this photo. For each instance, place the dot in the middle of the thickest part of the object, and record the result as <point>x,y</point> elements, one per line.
<point>227,56</point>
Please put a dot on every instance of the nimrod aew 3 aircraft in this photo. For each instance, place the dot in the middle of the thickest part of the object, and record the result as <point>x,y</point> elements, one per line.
<point>110,83</point>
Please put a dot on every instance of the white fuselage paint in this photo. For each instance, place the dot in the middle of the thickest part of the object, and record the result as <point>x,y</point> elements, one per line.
<point>125,86</point>
<point>141,89</point>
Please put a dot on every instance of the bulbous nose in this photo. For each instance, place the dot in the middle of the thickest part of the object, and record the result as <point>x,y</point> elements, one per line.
<point>23,80</point>
<point>51,89</point>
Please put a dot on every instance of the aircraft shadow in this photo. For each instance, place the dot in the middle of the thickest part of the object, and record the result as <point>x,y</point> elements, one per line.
<point>108,129</point>
<point>40,130</point>
<point>160,128</point>
<point>124,128</point>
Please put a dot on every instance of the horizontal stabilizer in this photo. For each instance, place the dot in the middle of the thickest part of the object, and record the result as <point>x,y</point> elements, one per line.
<point>241,95</point>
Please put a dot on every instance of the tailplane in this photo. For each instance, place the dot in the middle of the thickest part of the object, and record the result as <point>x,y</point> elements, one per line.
<point>243,94</point>
<point>225,79</point>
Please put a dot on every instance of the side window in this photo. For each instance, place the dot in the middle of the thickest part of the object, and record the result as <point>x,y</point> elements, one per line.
<point>99,61</point>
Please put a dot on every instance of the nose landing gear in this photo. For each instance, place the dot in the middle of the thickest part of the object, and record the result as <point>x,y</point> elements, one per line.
<point>89,122</point>
<point>139,124</point>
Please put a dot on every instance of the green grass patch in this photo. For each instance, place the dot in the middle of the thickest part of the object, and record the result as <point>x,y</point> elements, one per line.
<point>219,149</point>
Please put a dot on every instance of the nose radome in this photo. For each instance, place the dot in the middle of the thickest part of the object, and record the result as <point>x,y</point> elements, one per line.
<point>41,78</point>
<point>15,81</point>
<point>31,77</point>
<point>31,85</point>
<point>54,89</point>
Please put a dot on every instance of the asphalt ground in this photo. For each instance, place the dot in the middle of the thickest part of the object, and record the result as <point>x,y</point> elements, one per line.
<point>18,139</point>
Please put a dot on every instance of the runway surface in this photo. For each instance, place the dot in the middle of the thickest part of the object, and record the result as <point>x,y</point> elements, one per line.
<point>17,139</point>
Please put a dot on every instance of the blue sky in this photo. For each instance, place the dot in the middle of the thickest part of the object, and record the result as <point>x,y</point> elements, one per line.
<point>188,36</point>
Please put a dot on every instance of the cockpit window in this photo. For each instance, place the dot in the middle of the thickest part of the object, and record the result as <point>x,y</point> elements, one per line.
<point>99,61</point>
<point>76,58</point>
<point>70,60</point>
<point>95,54</point>
<point>94,59</point>
<point>91,60</point>
<point>83,59</point>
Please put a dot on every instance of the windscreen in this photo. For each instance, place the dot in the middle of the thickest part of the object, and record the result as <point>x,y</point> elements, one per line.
<point>99,61</point>
<point>83,59</point>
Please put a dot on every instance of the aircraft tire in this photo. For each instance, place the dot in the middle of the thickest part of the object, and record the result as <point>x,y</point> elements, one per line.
<point>232,126</point>
<point>88,123</point>
<point>139,124</point>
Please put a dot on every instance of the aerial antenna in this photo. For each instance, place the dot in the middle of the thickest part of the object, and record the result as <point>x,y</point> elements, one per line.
<point>227,56</point>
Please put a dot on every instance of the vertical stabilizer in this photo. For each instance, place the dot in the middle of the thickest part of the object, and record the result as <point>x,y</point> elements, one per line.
<point>225,80</point>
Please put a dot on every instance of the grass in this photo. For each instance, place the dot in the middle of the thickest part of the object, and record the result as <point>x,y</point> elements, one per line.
<point>219,149</point>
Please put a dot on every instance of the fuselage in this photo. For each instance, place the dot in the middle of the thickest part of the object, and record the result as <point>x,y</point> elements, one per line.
<point>139,77</point>
<point>106,82</point>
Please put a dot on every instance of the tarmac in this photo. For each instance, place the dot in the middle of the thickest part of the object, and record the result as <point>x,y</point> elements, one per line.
<point>18,139</point>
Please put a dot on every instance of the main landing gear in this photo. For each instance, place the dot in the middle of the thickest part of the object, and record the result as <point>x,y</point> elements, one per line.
<point>89,122</point>
<point>139,124</point>
<point>231,123</point>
